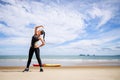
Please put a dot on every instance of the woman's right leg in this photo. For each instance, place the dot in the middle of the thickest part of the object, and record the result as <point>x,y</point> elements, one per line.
<point>31,51</point>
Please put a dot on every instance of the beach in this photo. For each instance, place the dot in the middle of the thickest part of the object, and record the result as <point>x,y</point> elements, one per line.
<point>61,73</point>
<point>72,68</point>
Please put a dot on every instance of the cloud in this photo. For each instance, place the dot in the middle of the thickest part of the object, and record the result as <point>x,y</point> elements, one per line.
<point>103,43</point>
<point>106,16</point>
<point>61,24</point>
<point>13,41</point>
<point>103,14</point>
<point>68,26</point>
<point>118,47</point>
<point>104,11</point>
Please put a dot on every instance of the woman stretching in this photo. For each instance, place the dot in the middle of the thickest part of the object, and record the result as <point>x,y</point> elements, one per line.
<point>35,48</point>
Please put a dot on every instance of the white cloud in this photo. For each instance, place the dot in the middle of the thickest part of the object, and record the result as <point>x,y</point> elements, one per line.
<point>15,41</point>
<point>96,45</point>
<point>104,14</point>
<point>62,23</point>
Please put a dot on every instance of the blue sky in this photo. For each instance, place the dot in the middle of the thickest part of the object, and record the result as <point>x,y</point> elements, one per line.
<point>72,27</point>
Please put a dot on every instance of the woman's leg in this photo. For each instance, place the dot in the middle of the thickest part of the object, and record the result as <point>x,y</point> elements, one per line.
<point>37,53</point>
<point>31,51</point>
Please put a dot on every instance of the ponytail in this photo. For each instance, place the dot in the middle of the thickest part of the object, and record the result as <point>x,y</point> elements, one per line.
<point>43,33</point>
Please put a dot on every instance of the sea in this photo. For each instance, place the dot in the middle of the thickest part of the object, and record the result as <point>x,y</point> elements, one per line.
<point>63,60</point>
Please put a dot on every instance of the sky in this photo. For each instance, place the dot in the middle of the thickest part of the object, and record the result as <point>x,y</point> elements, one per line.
<point>72,27</point>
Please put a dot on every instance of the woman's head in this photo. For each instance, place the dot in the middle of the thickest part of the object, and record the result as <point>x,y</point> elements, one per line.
<point>40,31</point>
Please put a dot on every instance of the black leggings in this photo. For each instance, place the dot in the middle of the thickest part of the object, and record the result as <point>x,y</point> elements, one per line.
<point>37,53</point>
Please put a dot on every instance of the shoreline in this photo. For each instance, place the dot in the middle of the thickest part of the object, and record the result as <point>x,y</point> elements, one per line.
<point>32,67</point>
<point>63,62</point>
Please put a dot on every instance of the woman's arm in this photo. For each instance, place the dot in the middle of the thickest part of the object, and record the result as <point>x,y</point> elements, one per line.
<point>43,42</point>
<point>37,44</point>
<point>37,28</point>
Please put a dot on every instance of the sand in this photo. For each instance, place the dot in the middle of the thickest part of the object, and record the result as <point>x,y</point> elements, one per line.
<point>62,73</point>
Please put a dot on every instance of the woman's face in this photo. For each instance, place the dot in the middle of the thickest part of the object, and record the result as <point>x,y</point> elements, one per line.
<point>39,33</point>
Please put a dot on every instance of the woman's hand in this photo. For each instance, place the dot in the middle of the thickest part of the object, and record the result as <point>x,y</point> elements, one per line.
<point>42,44</point>
<point>36,46</point>
<point>35,32</point>
<point>39,26</point>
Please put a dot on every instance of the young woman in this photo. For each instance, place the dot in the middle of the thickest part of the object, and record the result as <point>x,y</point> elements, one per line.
<point>35,48</point>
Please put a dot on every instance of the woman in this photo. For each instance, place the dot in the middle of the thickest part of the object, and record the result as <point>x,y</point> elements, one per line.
<point>35,48</point>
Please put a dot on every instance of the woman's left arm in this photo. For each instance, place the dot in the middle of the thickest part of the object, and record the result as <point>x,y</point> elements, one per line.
<point>43,42</point>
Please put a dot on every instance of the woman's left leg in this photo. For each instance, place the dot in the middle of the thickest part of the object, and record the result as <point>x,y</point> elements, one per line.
<point>37,53</point>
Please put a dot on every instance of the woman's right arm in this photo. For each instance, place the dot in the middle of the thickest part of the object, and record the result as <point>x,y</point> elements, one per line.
<point>36,29</point>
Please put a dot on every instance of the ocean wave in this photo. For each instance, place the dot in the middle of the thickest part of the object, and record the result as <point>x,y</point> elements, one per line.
<point>63,62</point>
